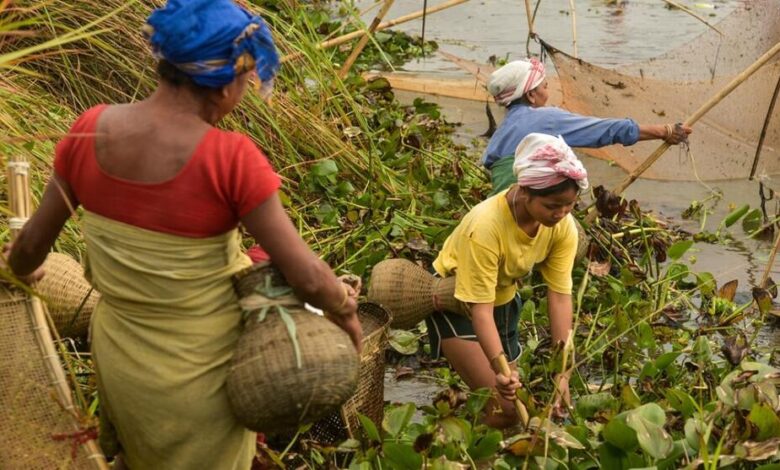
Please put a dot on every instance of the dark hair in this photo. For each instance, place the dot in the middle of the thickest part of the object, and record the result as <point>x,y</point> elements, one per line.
<point>169,73</point>
<point>561,187</point>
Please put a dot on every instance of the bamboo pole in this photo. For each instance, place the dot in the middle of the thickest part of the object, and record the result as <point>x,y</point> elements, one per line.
<point>573,27</point>
<point>364,40</point>
<point>21,207</point>
<point>522,412</point>
<point>387,24</point>
<point>706,107</point>
<point>768,118</point>
<point>693,14</point>
<point>531,32</point>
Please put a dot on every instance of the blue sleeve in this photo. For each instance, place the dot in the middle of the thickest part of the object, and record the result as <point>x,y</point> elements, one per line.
<point>583,131</point>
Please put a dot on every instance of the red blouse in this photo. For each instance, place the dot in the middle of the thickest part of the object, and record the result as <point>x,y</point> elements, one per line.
<point>225,178</point>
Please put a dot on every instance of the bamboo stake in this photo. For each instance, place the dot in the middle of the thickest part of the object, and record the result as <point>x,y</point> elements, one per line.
<point>531,32</point>
<point>772,255</point>
<point>364,40</point>
<point>760,145</point>
<point>503,364</point>
<point>387,24</point>
<point>21,207</point>
<point>573,27</point>
<point>737,81</point>
<point>693,14</point>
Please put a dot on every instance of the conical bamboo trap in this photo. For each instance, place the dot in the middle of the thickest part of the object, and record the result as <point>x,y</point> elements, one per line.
<point>411,293</point>
<point>68,296</point>
<point>40,427</point>
<point>273,385</point>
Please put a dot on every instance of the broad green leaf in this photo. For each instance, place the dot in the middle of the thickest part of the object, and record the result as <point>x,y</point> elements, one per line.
<point>706,283</point>
<point>752,221</point>
<point>630,397</point>
<point>619,434</point>
<point>588,405</point>
<point>652,437</point>
<point>396,420</point>
<point>477,400</point>
<point>681,402</point>
<point>401,456</point>
<point>666,359</point>
<point>678,249</point>
<point>369,427</point>
<point>324,168</point>
<point>486,446</point>
<point>766,421</point>
<point>701,350</point>
<point>695,430</point>
<point>565,440</point>
<point>441,199</point>
<point>645,336</point>
<point>455,429</point>
<point>405,342</point>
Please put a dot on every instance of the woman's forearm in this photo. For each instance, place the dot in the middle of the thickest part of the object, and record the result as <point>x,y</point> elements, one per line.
<point>560,309</point>
<point>485,329</point>
<point>652,132</point>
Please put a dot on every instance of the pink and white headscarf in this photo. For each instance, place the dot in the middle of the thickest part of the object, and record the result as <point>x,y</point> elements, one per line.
<point>542,161</point>
<point>515,79</point>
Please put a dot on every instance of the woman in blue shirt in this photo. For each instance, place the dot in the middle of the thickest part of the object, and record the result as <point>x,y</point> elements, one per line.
<point>521,86</point>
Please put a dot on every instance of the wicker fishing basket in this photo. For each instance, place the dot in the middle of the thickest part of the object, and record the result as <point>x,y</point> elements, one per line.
<point>368,400</point>
<point>36,428</point>
<point>68,296</point>
<point>411,293</point>
<point>268,389</point>
<point>583,243</point>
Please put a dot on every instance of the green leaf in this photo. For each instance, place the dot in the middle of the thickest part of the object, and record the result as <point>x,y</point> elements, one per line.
<point>651,435</point>
<point>369,427</point>
<point>706,283</point>
<point>396,420</point>
<point>766,421</point>
<point>619,434</point>
<point>401,456</point>
<point>645,336</point>
<point>666,359</point>
<point>630,397</point>
<point>455,429</point>
<point>752,221</point>
<point>405,342</point>
<point>324,168</point>
<point>486,446</point>
<point>477,401</point>
<point>695,431</point>
<point>681,402</point>
<point>701,350</point>
<point>588,405</point>
<point>441,199</point>
<point>735,215</point>
<point>678,249</point>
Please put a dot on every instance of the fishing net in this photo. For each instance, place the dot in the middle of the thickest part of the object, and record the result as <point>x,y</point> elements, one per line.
<point>671,87</point>
<point>36,431</point>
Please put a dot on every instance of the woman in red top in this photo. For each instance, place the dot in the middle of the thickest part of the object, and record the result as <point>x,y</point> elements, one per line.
<point>163,192</point>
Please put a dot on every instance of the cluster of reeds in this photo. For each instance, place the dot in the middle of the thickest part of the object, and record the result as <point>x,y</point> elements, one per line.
<point>359,169</point>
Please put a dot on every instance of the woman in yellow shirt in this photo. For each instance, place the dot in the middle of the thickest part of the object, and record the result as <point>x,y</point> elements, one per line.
<point>497,243</point>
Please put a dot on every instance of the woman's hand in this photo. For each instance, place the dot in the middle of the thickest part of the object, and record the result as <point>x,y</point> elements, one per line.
<point>562,400</point>
<point>507,386</point>
<point>351,325</point>
<point>29,279</point>
<point>677,133</point>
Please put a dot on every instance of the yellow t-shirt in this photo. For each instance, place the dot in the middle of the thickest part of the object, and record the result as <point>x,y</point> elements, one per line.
<point>490,253</point>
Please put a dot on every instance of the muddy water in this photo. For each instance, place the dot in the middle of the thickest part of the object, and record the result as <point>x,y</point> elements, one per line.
<point>606,35</point>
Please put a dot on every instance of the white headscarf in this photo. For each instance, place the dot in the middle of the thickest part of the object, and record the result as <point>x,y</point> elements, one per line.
<point>515,79</point>
<point>542,161</point>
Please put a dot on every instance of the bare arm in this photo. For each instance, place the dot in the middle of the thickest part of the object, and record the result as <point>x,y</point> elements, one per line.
<point>311,278</point>
<point>660,131</point>
<point>560,308</point>
<point>487,335</point>
<point>38,235</point>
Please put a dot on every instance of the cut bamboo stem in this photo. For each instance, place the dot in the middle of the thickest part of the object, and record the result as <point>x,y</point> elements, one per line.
<point>522,412</point>
<point>387,24</point>
<point>364,40</point>
<point>531,32</point>
<point>573,27</point>
<point>693,14</point>
<point>21,206</point>
<point>706,107</point>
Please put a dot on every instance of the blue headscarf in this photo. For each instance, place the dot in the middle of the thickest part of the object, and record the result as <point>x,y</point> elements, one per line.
<point>206,38</point>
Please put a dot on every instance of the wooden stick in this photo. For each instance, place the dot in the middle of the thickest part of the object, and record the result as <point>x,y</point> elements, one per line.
<point>503,364</point>
<point>772,255</point>
<point>738,80</point>
<point>387,24</point>
<point>20,204</point>
<point>531,32</point>
<point>364,40</point>
<point>693,14</point>
<point>573,27</point>
<point>768,117</point>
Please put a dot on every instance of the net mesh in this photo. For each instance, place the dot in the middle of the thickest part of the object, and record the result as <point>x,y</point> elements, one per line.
<point>671,87</point>
<point>30,413</point>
